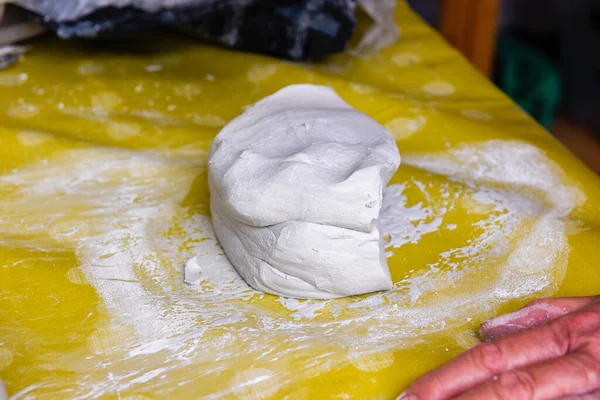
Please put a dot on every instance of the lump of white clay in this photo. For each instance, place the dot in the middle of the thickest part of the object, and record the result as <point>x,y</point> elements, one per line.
<point>296,187</point>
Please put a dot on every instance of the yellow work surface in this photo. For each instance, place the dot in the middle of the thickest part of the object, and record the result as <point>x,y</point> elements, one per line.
<point>103,198</point>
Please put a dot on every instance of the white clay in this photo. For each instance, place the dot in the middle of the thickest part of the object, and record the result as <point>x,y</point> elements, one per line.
<point>296,188</point>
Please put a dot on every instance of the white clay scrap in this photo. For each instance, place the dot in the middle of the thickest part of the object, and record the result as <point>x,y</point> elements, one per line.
<point>296,187</point>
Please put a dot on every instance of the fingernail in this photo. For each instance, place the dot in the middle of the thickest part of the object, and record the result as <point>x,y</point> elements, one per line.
<point>406,396</point>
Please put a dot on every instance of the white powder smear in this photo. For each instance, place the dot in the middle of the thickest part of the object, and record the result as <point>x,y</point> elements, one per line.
<point>124,215</point>
<point>403,224</point>
<point>303,308</point>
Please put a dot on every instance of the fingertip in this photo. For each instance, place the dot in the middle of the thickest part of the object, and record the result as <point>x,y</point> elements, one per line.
<point>3,394</point>
<point>528,317</point>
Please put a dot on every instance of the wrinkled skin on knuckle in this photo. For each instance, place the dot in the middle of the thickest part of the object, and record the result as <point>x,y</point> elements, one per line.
<point>489,357</point>
<point>592,345</point>
<point>562,336</point>
<point>586,320</point>
<point>588,367</point>
<point>515,385</point>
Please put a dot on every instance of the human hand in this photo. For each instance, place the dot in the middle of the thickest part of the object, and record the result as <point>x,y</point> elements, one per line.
<point>3,395</point>
<point>549,349</point>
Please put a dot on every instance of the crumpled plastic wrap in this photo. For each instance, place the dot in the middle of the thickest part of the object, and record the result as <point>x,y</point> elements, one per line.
<point>15,26</point>
<point>296,29</point>
<point>315,27</point>
<point>104,197</point>
<point>71,10</point>
<point>384,30</point>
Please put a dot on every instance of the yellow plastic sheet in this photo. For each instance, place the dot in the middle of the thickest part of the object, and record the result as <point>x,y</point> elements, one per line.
<point>103,197</point>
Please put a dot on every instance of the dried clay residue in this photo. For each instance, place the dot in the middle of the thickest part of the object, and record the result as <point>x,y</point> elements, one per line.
<point>126,216</point>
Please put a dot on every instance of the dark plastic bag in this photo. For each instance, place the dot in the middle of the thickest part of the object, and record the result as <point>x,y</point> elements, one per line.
<point>294,29</point>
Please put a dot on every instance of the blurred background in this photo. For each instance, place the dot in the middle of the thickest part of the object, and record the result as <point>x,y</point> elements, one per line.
<point>544,54</point>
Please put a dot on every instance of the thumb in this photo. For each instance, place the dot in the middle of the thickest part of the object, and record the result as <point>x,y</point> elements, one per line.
<point>536,313</point>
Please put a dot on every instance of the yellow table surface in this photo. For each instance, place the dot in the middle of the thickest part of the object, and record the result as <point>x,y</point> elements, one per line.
<point>103,197</point>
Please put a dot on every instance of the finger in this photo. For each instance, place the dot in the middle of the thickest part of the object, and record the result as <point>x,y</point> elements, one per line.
<point>510,352</point>
<point>3,394</point>
<point>574,374</point>
<point>588,396</point>
<point>534,314</point>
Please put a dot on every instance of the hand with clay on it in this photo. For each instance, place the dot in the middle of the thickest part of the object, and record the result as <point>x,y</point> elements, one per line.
<point>3,395</point>
<point>549,349</point>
